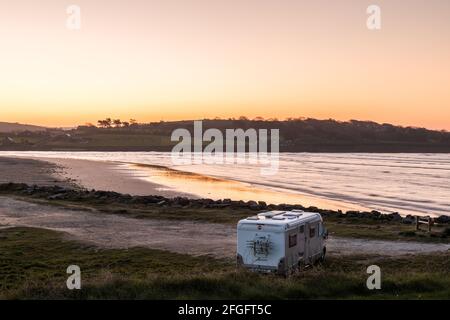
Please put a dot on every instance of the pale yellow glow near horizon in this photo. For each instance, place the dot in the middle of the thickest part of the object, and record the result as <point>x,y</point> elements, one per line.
<point>194,59</point>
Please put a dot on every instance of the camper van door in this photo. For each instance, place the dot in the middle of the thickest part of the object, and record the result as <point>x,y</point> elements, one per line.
<point>301,242</point>
<point>307,244</point>
<point>314,240</point>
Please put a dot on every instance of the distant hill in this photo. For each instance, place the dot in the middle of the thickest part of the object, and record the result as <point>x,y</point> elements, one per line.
<point>17,127</point>
<point>296,135</point>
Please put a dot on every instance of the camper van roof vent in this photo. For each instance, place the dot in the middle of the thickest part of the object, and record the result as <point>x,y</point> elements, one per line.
<point>278,218</point>
<point>292,215</point>
<point>253,218</point>
<point>269,214</point>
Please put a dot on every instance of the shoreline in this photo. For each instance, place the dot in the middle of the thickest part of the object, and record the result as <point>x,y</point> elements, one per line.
<point>125,203</point>
<point>155,180</point>
<point>140,179</point>
<point>30,171</point>
<point>145,179</point>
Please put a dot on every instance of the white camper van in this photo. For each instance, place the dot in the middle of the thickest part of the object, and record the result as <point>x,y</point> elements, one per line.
<point>280,241</point>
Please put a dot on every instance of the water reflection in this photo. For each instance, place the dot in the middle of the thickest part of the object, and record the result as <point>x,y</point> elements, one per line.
<point>216,188</point>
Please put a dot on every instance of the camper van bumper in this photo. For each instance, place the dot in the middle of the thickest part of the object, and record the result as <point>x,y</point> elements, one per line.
<point>258,268</point>
<point>255,267</point>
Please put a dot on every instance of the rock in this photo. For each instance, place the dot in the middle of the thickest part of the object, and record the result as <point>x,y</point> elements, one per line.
<point>181,201</point>
<point>442,219</point>
<point>220,205</point>
<point>59,196</point>
<point>375,214</point>
<point>352,214</point>
<point>242,204</point>
<point>396,216</point>
<point>409,219</point>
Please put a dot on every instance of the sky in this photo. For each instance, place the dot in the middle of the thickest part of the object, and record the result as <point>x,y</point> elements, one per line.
<point>193,59</point>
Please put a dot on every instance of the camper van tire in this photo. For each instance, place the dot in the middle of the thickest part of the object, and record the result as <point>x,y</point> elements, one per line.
<point>239,262</point>
<point>282,268</point>
<point>322,257</point>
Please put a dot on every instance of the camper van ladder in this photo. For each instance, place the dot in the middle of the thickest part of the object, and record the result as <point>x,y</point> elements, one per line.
<point>260,247</point>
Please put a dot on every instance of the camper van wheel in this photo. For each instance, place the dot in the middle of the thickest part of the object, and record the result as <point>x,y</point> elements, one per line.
<point>239,263</point>
<point>322,257</point>
<point>300,266</point>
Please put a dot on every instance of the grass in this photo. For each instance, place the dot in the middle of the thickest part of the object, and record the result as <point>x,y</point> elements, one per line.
<point>147,211</point>
<point>33,265</point>
<point>364,228</point>
<point>94,141</point>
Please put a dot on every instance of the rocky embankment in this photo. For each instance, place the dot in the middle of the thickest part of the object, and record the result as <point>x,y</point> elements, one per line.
<point>55,193</point>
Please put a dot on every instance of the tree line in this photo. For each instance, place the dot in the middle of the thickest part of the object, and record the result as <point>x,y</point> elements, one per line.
<point>116,123</point>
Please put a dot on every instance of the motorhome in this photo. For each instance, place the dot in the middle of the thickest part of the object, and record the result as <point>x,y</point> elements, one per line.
<point>280,241</point>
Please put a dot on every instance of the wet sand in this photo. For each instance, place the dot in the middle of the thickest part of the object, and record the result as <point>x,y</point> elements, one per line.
<point>140,179</point>
<point>30,171</point>
<point>218,188</point>
<point>111,176</point>
<point>105,176</point>
<point>143,179</point>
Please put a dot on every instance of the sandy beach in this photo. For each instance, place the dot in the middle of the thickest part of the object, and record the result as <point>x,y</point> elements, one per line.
<point>30,171</point>
<point>142,179</point>
<point>105,176</point>
<point>141,174</point>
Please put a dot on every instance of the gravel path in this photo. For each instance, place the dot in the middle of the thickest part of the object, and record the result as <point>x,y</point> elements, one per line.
<point>195,238</point>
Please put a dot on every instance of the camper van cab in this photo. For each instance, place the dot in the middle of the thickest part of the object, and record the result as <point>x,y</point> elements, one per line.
<point>280,241</point>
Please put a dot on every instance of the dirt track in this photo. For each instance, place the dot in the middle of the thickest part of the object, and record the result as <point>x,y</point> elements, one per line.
<point>114,231</point>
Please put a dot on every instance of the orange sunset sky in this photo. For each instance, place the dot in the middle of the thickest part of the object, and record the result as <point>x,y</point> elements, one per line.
<point>191,59</point>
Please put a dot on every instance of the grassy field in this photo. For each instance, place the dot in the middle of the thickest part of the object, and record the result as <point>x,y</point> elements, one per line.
<point>91,141</point>
<point>33,264</point>
<point>296,135</point>
<point>385,230</point>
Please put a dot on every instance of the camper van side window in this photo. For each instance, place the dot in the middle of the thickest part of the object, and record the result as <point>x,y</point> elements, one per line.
<point>292,240</point>
<point>312,232</point>
<point>302,229</point>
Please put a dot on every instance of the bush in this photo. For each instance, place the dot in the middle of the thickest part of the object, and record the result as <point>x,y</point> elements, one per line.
<point>446,232</point>
<point>408,233</point>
